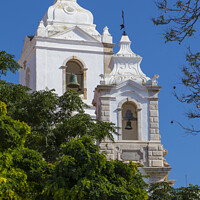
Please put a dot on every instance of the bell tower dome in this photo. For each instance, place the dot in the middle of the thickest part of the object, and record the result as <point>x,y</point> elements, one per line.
<point>67,12</point>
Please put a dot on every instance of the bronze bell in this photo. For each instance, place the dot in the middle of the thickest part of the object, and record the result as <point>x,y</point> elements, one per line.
<point>128,125</point>
<point>73,83</point>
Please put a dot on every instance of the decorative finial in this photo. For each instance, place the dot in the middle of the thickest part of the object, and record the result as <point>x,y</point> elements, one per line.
<point>123,25</point>
<point>154,81</point>
<point>63,1</point>
<point>106,36</point>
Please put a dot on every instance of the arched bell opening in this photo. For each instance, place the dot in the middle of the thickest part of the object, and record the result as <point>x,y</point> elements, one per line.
<point>129,121</point>
<point>74,76</point>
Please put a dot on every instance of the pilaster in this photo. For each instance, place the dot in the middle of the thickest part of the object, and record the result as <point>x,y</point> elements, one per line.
<point>105,110</point>
<point>155,155</point>
<point>154,120</point>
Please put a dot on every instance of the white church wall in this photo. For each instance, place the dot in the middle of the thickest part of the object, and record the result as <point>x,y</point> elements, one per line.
<point>22,73</point>
<point>31,64</point>
<point>51,59</point>
<point>41,70</point>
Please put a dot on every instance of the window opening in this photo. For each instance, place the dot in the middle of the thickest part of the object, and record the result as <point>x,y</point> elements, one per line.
<point>75,76</point>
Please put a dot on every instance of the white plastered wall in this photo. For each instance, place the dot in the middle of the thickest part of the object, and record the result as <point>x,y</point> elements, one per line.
<point>52,56</point>
<point>31,64</point>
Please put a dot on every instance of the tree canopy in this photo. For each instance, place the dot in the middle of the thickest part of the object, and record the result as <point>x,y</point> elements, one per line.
<point>83,173</point>
<point>7,63</point>
<point>51,118</point>
<point>79,172</point>
<point>22,171</point>
<point>162,191</point>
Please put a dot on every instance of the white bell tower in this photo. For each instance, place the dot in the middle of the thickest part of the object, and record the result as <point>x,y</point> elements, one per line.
<point>129,99</point>
<point>66,42</point>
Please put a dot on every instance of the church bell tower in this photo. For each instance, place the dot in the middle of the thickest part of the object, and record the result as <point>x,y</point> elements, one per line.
<point>65,43</point>
<point>128,98</point>
<point>68,52</point>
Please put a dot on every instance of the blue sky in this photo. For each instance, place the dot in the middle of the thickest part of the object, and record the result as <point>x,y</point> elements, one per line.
<point>21,18</point>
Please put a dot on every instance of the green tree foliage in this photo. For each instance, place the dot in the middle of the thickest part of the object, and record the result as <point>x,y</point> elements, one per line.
<point>80,172</point>
<point>182,19</point>
<point>13,133</point>
<point>13,181</point>
<point>7,63</point>
<point>51,118</point>
<point>83,173</point>
<point>22,174</point>
<point>187,193</point>
<point>22,171</point>
<point>162,191</point>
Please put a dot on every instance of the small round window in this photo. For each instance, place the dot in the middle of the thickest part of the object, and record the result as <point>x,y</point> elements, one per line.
<point>69,10</point>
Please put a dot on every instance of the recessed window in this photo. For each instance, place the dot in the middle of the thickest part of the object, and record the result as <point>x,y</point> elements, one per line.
<point>27,79</point>
<point>129,121</point>
<point>75,74</point>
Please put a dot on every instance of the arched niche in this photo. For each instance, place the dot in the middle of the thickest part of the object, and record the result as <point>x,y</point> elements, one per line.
<point>129,110</point>
<point>27,79</point>
<point>75,66</point>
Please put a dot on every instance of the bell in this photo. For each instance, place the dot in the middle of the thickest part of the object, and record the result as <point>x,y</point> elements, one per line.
<point>128,125</point>
<point>73,83</point>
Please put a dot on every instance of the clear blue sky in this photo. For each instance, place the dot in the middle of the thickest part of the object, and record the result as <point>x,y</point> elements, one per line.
<point>21,18</point>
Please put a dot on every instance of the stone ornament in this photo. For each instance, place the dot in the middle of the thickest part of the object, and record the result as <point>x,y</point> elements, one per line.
<point>70,10</point>
<point>62,10</point>
<point>125,65</point>
<point>65,14</point>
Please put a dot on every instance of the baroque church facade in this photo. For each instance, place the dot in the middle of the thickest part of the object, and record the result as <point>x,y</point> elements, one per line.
<point>113,85</point>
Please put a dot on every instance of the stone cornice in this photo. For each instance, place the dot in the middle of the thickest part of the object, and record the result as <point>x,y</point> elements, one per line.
<point>70,50</point>
<point>109,45</point>
<point>153,88</point>
<point>64,41</point>
<point>133,142</point>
